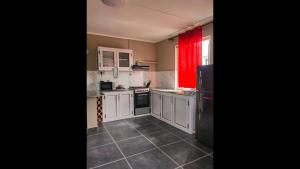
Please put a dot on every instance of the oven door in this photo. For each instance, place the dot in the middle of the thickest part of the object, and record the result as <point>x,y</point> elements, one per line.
<point>141,100</point>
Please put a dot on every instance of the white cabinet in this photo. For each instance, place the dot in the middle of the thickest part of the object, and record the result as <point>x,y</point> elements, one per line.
<point>109,58</point>
<point>110,106</point>
<point>124,59</point>
<point>167,108</point>
<point>181,113</point>
<point>177,110</point>
<point>126,104</point>
<point>156,104</point>
<point>117,105</point>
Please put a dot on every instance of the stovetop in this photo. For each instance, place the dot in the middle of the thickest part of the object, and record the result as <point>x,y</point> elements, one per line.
<point>139,89</point>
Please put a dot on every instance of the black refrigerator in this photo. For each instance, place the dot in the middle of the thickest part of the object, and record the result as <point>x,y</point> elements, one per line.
<point>205,113</point>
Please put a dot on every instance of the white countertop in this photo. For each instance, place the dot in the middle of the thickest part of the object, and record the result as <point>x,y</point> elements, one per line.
<point>174,91</point>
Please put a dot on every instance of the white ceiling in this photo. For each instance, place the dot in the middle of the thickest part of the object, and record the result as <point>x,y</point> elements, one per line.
<point>147,20</point>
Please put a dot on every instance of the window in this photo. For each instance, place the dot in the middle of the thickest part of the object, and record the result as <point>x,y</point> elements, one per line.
<point>205,57</point>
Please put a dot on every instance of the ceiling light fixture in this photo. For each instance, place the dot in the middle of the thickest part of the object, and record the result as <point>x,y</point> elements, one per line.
<point>114,3</point>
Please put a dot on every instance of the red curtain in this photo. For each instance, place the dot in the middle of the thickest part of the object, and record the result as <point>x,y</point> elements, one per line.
<point>189,56</point>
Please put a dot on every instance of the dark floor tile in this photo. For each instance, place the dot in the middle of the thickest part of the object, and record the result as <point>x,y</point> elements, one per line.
<point>138,122</point>
<point>123,133</point>
<point>181,134</point>
<point>200,145</point>
<point>149,128</point>
<point>205,163</point>
<point>117,124</point>
<point>161,138</point>
<point>122,164</point>
<point>102,155</point>
<point>155,121</point>
<point>151,160</point>
<point>95,130</point>
<point>99,139</point>
<point>136,145</point>
<point>150,117</point>
<point>182,152</point>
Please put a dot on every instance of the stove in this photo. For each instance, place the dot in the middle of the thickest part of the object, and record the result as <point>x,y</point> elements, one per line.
<point>139,89</point>
<point>141,100</point>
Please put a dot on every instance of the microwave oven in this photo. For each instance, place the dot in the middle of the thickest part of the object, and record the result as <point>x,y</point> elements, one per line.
<point>106,85</point>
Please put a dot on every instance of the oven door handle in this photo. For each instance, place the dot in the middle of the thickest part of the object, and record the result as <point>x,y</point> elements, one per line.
<point>138,94</point>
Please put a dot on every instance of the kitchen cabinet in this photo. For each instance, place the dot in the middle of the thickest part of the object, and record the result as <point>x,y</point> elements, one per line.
<point>181,112</point>
<point>174,109</point>
<point>109,58</point>
<point>124,59</point>
<point>167,108</point>
<point>156,104</point>
<point>117,105</point>
<point>126,104</point>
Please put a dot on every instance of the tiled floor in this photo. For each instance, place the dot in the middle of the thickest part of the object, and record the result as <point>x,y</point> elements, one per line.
<point>145,143</point>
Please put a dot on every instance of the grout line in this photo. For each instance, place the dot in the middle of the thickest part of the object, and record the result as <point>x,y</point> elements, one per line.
<point>113,142</point>
<point>169,144</point>
<point>128,138</point>
<point>199,158</point>
<point>158,148</point>
<point>118,147</point>
<point>106,163</point>
<point>141,152</point>
<point>181,138</point>
<point>90,148</point>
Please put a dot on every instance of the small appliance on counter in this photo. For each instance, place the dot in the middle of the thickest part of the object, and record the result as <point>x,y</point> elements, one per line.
<point>106,86</point>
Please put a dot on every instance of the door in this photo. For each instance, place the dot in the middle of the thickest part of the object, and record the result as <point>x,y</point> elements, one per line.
<point>167,108</point>
<point>204,130</point>
<point>124,59</point>
<point>181,112</point>
<point>111,108</point>
<point>125,104</point>
<point>156,103</point>
<point>107,58</point>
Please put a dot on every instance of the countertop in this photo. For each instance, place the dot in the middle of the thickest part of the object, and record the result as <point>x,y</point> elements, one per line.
<point>173,91</point>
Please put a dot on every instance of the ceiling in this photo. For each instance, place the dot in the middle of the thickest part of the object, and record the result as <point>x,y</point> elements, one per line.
<point>147,20</point>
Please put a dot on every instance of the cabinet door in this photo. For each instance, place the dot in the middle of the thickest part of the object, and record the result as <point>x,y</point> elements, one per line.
<point>180,112</point>
<point>167,108</point>
<point>124,60</point>
<point>125,104</point>
<point>111,109</point>
<point>156,103</point>
<point>107,59</point>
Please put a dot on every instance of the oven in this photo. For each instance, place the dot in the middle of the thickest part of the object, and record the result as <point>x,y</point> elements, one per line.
<point>141,101</point>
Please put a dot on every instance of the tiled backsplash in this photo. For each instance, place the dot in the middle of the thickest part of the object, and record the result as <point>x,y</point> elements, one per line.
<point>165,79</point>
<point>161,79</point>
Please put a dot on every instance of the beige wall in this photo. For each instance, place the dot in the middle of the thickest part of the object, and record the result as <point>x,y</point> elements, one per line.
<point>165,54</point>
<point>141,50</point>
<point>165,50</point>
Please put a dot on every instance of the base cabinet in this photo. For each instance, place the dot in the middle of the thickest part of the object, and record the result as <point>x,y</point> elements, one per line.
<point>117,105</point>
<point>174,109</point>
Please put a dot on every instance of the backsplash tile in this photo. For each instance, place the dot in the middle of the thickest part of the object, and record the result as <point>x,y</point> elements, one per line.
<point>160,79</point>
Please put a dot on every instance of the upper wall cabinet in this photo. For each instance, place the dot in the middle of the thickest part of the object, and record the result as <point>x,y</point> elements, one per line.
<point>108,58</point>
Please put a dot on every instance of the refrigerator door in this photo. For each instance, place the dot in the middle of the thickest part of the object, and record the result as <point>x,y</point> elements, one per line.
<point>204,131</point>
<point>204,115</point>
